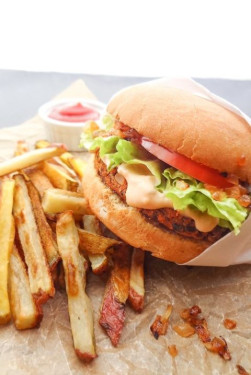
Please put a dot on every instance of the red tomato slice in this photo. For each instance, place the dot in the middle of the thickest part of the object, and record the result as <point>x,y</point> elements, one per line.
<point>186,165</point>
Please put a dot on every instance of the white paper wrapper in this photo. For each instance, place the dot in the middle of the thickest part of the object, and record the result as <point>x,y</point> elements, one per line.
<point>231,249</point>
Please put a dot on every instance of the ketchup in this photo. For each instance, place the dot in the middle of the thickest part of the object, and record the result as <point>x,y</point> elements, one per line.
<point>74,113</point>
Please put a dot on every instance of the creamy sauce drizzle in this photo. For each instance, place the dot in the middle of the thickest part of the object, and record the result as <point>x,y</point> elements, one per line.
<point>141,193</point>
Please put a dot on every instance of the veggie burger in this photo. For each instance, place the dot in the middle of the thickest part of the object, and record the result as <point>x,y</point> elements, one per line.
<point>170,171</point>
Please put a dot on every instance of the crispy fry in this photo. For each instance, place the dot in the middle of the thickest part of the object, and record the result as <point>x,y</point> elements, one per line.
<point>7,233</point>
<point>57,201</point>
<point>65,157</point>
<point>160,324</point>
<point>52,224</point>
<point>45,232</point>
<point>77,164</point>
<point>112,314</point>
<point>92,224</point>
<point>137,289</point>
<point>39,180</point>
<point>99,262</point>
<point>59,176</point>
<point>38,270</point>
<point>94,243</point>
<point>26,314</point>
<point>21,148</point>
<point>42,144</point>
<point>28,159</point>
<point>80,309</point>
<point>61,276</point>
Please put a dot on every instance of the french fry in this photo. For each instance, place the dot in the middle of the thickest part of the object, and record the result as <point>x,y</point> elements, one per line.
<point>21,148</point>
<point>112,314</point>
<point>57,200</point>
<point>42,144</point>
<point>77,164</point>
<point>94,243</point>
<point>65,157</point>
<point>79,305</point>
<point>26,314</point>
<point>59,161</point>
<point>59,177</point>
<point>92,224</point>
<point>45,232</point>
<point>137,289</point>
<point>99,262</point>
<point>61,276</point>
<point>38,270</point>
<point>7,233</point>
<point>52,224</point>
<point>28,159</point>
<point>39,180</point>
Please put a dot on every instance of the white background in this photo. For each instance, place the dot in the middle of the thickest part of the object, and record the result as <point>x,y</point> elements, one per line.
<point>200,38</point>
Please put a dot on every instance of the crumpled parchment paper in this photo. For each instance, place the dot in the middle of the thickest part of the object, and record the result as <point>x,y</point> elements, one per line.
<point>220,292</point>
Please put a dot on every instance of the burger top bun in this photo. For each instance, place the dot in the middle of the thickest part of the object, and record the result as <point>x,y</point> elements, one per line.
<point>188,124</point>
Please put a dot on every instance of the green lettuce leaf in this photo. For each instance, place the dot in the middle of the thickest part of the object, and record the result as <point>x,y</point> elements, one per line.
<point>87,139</point>
<point>107,146</point>
<point>107,121</point>
<point>118,151</point>
<point>227,210</point>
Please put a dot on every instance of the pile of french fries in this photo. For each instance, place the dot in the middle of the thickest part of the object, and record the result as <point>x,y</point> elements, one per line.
<point>50,239</point>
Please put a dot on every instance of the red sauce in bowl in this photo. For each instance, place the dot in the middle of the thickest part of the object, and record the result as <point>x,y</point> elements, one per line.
<point>74,113</point>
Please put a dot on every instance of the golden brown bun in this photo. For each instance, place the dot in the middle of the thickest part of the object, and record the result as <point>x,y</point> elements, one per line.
<point>188,124</point>
<point>128,224</point>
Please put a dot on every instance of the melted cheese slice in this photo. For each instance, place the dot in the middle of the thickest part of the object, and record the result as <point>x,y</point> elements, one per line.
<point>141,193</point>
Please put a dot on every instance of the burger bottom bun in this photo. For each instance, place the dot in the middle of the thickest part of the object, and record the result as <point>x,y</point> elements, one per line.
<point>128,223</point>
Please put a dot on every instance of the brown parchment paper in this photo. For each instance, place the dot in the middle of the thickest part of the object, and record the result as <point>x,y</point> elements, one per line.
<point>220,292</point>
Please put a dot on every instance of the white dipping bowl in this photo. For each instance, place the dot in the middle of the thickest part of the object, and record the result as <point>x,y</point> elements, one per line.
<point>62,131</point>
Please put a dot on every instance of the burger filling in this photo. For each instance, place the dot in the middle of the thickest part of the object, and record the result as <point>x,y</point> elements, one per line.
<point>146,176</point>
<point>165,217</point>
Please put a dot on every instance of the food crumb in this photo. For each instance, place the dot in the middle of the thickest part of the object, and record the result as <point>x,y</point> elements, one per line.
<point>230,324</point>
<point>217,344</point>
<point>172,350</point>
<point>184,330</point>
<point>160,324</point>
<point>241,370</point>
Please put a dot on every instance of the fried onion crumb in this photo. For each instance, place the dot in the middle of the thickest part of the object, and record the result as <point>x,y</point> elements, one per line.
<point>172,350</point>
<point>230,324</point>
<point>160,324</point>
<point>241,370</point>
<point>217,344</point>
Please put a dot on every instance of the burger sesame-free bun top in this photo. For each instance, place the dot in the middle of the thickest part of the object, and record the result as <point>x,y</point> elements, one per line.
<point>188,124</point>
